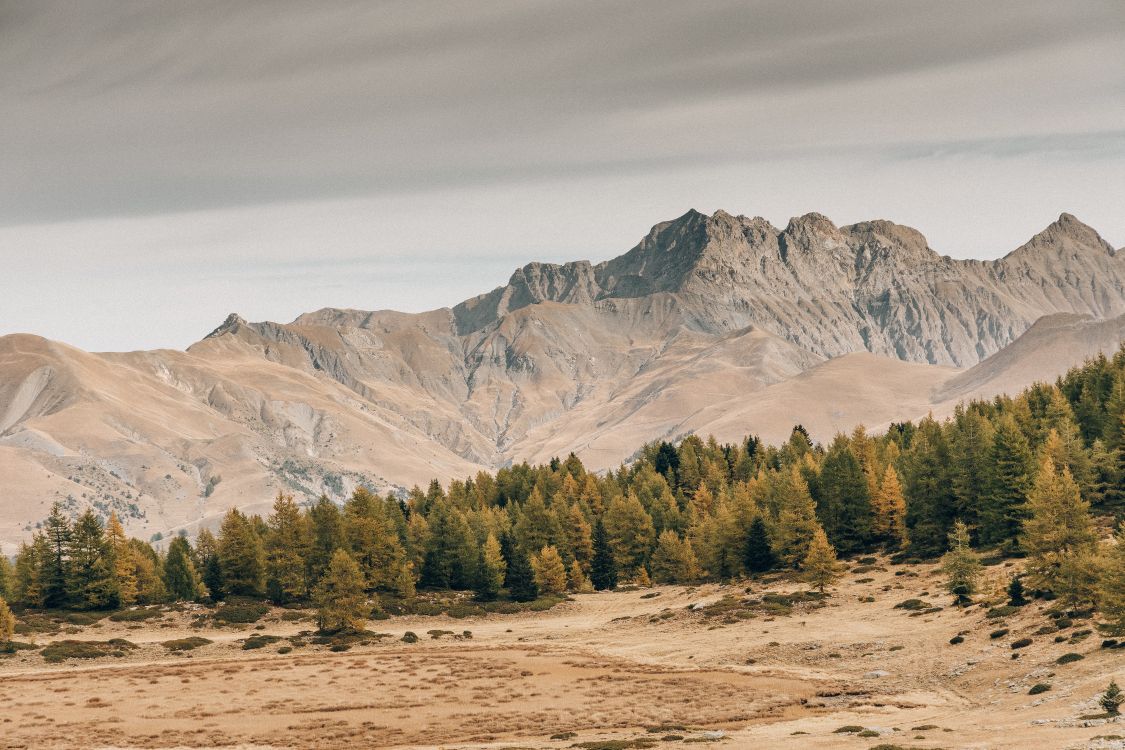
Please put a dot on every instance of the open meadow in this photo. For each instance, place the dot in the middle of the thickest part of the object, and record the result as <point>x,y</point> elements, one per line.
<point>762,664</point>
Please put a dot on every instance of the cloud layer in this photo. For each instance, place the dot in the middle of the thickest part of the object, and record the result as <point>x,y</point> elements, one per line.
<point>391,114</point>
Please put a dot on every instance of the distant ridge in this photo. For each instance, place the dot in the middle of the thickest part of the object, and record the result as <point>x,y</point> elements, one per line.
<point>713,324</point>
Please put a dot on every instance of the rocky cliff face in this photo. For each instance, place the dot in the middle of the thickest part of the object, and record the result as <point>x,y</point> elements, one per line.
<point>719,323</point>
<point>874,286</point>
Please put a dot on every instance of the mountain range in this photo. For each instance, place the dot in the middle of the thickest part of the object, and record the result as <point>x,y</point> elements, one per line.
<point>718,324</point>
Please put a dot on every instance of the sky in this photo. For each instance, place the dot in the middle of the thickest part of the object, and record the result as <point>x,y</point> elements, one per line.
<point>163,164</point>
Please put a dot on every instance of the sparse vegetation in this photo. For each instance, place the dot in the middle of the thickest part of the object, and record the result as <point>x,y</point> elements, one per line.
<point>72,649</point>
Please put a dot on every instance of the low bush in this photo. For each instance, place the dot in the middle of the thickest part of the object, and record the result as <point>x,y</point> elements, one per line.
<point>1039,687</point>
<point>185,644</point>
<point>409,637</point>
<point>62,650</point>
<point>240,611</point>
<point>137,614</point>
<point>259,641</point>
<point>996,613</point>
<point>1021,643</point>
<point>1069,657</point>
<point>998,633</point>
<point>912,605</point>
<point>957,639</point>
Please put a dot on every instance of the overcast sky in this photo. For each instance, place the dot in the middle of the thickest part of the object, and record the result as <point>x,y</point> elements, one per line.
<point>165,163</point>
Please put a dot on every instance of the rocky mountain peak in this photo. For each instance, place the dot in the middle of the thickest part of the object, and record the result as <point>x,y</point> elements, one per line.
<point>231,325</point>
<point>1067,235</point>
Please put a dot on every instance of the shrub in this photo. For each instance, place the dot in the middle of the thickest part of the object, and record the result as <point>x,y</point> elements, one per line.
<point>285,649</point>
<point>241,612</point>
<point>912,605</point>
<point>998,633</point>
<point>137,614</point>
<point>848,729</point>
<point>1021,643</point>
<point>957,639</point>
<point>409,637</point>
<point>61,650</point>
<point>185,644</point>
<point>259,641</point>
<point>1039,687</point>
<point>1069,657</point>
<point>997,612</point>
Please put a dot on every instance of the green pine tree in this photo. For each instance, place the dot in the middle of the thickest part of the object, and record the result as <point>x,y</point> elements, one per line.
<point>89,583</point>
<point>287,547</point>
<point>241,557</point>
<point>341,603</point>
<point>180,577</point>
<point>961,565</point>
<point>521,578</point>
<point>1005,506</point>
<point>603,569</point>
<point>758,556</point>
<point>492,570</point>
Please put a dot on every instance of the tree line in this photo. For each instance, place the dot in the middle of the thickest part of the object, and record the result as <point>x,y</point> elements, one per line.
<point>1026,475</point>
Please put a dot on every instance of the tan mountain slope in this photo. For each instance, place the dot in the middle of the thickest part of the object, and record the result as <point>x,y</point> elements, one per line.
<point>716,324</point>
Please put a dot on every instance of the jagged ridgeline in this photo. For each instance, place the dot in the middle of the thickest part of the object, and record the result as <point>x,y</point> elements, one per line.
<point>712,325</point>
<point>1004,475</point>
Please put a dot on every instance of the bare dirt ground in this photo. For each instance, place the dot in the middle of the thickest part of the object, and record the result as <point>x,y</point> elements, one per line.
<point>639,667</point>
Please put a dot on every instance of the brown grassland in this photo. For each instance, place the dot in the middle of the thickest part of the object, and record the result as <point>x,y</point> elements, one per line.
<point>736,665</point>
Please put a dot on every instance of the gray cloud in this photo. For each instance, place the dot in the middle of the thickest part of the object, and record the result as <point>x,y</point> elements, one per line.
<point>165,163</point>
<point>116,107</point>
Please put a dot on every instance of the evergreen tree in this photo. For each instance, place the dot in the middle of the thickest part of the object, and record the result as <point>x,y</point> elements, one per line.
<point>1112,699</point>
<point>492,570</point>
<point>341,603</point>
<point>373,543</point>
<point>521,578</point>
<point>758,556</point>
<point>53,571</point>
<point>1005,506</point>
<point>931,503</point>
<point>288,543</point>
<point>630,530</point>
<point>577,580</point>
<point>971,456</point>
<point>535,525</point>
<point>961,565</point>
<point>27,582</point>
<point>181,580</point>
<point>149,573</point>
<point>89,581</point>
<point>7,578</point>
<point>819,567</point>
<point>326,535</point>
<point>673,560</point>
<point>796,520</point>
<point>1059,537</point>
<point>122,563</point>
<point>241,557</point>
<point>844,509</point>
<point>889,511</point>
<point>207,563</point>
<point>1016,596</point>
<point>1111,587</point>
<point>7,625</point>
<point>603,569</point>
<point>579,536</point>
<point>549,571</point>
